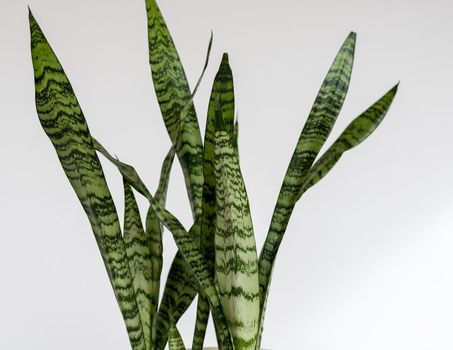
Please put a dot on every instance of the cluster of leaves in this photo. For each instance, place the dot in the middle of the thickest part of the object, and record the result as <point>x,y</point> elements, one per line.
<point>217,258</point>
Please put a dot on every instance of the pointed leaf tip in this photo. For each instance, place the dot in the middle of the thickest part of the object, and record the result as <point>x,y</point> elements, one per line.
<point>225,57</point>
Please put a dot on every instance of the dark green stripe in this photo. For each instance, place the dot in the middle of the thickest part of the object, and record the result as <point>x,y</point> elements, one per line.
<point>63,121</point>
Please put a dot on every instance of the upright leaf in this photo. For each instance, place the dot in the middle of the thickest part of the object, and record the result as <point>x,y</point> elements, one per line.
<point>138,250</point>
<point>64,123</point>
<point>357,131</point>
<point>317,128</point>
<point>221,103</point>
<point>154,232</point>
<point>173,93</point>
<point>236,260</point>
<point>179,292</point>
<point>186,245</point>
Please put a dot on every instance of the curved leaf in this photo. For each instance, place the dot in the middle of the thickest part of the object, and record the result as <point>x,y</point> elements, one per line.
<point>317,128</point>
<point>180,290</point>
<point>64,123</point>
<point>357,131</point>
<point>173,93</point>
<point>221,103</point>
<point>186,245</point>
<point>173,302</point>
<point>175,341</point>
<point>138,250</point>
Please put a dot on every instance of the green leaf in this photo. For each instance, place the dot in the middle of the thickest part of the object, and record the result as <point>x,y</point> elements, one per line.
<point>236,137</point>
<point>154,232</point>
<point>173,93</point>
<point>201,323</point>
<point>317,128</point>
<point>178,304</point>
<point>64,123</point>
<point>186,245</point>
<point>357,131</point>
<point>180,290</point>
<point>236,260</point>
<point>138,250</point>
<point>175,341</point>
<point>221,103</point>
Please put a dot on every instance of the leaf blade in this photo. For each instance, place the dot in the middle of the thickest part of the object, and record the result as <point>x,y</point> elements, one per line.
<point>186,245</point>
<point>221,102</point>
<point>173,93</point>
<point>236,259</point>
<point>321,119</point>
<point>138,251</point>
<point>355,133</point>
<point>64,123</point>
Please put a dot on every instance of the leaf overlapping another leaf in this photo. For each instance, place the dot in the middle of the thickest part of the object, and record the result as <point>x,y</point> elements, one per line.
<point>186,245</point>
<point>64,123</point>
<point>173,94</point>
<point>320,121</point>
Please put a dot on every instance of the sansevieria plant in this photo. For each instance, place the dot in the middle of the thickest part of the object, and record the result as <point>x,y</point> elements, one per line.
<point>217,258</point>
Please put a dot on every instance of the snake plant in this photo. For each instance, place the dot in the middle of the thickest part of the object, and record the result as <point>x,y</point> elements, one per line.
<point>217,258</point>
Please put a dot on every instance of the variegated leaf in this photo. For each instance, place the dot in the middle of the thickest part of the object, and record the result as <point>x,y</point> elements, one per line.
<point>179,292</point>
<point>138,250</point>
<point>236,260</point>
<point>154,231</point>
<point>317,128</point>
<point>186,245</point>
<point>221,103</point>
<point>173,93</point>
<point>175,341</point>
<point>357,131</point>
<point>64,123</point>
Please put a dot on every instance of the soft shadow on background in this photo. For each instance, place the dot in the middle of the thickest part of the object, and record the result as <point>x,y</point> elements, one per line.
<point>367,261</point>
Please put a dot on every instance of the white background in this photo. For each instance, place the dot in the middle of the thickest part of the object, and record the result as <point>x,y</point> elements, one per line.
<point>367,262</point>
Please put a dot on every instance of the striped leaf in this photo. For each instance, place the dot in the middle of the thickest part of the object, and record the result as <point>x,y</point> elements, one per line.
<point>317,128</point>
<point>201,323</point>
<point>154,232</point>
<point>357,131</point>
<point>186,245</point>
<point>138,250</point>
<point>221,103</point>
<point>64,123</point>
<point>175,341</point>
<point>180,290</point>
<point>178,293</point>
<point>236,260</point>
<point>173,93</point>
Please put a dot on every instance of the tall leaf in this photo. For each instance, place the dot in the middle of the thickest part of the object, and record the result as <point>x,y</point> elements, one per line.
<point>175,341</point>
<point>317,128</point>
<point>221,103</point>
<point>138,250</point>
<point>64,123</point>
<point>356,132</point>
<point>173,93</point>
<point>186,245</point>
<point>154,232</point>
<point>179,292</point>
<point>236,260</point>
